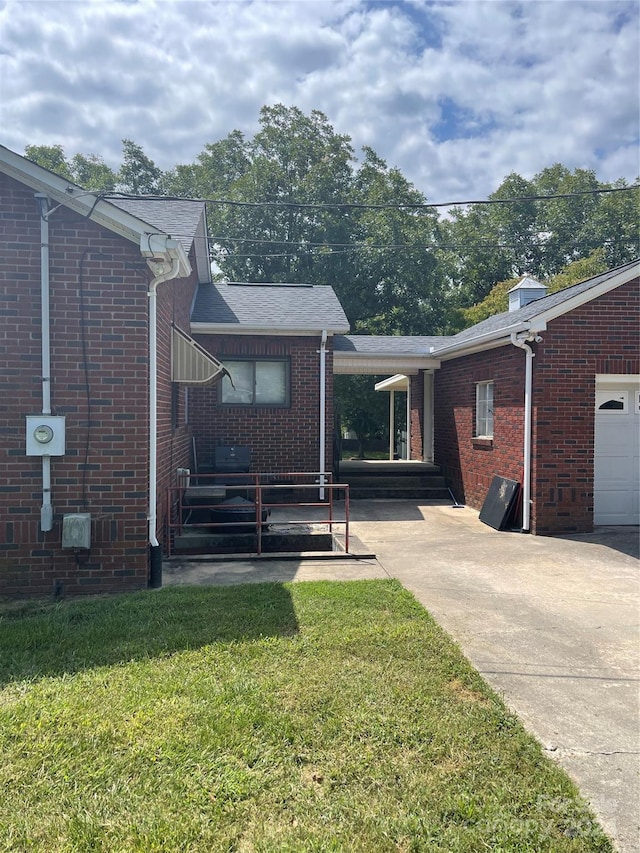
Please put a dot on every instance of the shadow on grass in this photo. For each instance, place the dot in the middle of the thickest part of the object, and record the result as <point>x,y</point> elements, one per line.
<point>46,639</point>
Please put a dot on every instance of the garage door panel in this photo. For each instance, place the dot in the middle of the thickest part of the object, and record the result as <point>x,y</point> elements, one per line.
<point>617,460</point>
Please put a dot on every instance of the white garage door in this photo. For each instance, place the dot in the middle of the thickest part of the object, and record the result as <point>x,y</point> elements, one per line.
<point>617,453</point>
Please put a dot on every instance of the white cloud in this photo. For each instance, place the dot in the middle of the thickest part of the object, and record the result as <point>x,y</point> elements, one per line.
<point>457,95</point>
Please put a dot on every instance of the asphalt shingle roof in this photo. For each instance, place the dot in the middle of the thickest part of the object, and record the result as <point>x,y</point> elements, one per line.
<point>388,344</point>
<point>532,310</point>
<point>274,306</point>
<point>177,217</point>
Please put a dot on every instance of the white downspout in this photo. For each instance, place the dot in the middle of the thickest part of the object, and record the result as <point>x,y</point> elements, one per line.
<point>323,410</point>
<point>521,342</point>
<point>46,510</point>
<point>165,273</point>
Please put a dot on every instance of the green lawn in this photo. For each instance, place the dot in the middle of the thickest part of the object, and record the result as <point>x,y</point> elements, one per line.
<point>301,717</point>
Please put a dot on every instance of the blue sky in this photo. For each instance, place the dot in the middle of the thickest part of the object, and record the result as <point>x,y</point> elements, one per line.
<point>456,94</point>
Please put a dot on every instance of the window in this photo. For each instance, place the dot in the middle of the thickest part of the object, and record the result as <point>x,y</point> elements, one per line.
<point>612,401</point>
<point>256,383</point>
<point>484,410</point>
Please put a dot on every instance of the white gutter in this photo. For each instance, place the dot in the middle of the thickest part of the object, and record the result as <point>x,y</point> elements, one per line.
<point>323,410</point>
<point>309,330</point>
<point>521,343</point>
<point>46,510</point>
<point>167,260</point>
<point>497,337</point>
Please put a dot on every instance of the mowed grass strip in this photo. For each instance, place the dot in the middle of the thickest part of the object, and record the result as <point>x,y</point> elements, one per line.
<point>268,717</point>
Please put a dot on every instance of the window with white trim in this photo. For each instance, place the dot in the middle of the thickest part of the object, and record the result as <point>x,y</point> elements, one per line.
<point>612,401</point>
<point>256,382</point>
<point>484,409</point>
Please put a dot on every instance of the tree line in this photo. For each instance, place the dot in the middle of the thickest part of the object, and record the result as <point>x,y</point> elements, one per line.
<point>397,265</point>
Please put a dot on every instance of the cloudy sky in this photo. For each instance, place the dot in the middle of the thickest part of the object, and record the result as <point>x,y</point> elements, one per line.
<point>456,94</point>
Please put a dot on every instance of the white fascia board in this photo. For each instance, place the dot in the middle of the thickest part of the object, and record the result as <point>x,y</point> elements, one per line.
<point>70,195</point>
<point>594,292</point>
<point>233,329</point>
<point>490,340</point>
<point>375,363</point>
<point>399,382</point>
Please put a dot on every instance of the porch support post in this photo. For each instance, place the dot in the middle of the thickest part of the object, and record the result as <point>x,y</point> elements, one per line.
<point>392,422</point>
<point>408,449</point>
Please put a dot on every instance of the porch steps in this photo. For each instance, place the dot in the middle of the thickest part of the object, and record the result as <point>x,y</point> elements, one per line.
<point>369,480</point>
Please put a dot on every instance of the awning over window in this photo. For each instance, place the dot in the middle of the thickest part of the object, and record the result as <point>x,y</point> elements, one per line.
<point>191,364</point>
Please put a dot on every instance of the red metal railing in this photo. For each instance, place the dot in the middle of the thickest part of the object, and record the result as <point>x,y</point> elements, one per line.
<point>256,485</point>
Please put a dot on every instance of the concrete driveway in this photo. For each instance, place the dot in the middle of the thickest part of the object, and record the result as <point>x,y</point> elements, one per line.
<point>552,624</point>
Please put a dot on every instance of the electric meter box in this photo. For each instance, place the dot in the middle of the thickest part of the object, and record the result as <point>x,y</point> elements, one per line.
<point>45,435</point>
<point>76,530</point>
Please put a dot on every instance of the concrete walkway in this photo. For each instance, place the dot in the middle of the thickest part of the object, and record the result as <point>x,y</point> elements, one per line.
<point>551,624</point>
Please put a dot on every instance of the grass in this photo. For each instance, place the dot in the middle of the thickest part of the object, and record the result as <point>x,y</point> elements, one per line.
<point>302,717</point>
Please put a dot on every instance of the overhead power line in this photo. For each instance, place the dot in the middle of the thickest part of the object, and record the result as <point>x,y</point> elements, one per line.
<point>344,205</point>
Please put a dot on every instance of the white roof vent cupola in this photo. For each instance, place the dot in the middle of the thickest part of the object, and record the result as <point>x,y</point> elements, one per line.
<point>526,290</point>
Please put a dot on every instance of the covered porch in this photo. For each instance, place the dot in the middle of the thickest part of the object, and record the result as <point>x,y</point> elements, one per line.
<point>410,367</point>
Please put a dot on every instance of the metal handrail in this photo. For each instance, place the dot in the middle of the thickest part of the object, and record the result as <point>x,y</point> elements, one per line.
<point>255,483</point>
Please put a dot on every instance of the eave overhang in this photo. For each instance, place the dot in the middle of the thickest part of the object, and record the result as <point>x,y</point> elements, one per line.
<point>379,363</point>
<point>399,382</point>
<point>85,203</point>
<point>237,329</point>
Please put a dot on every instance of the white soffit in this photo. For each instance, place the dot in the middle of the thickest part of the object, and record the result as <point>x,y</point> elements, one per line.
<point>399,382</point>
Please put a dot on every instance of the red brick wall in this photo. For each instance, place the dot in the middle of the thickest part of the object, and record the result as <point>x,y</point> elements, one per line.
<point>470,464</point>
<point>417,415</point>
<point>281,439</point>
<point>600,337</point>
<point>174,444</point>
<point>105,468</point>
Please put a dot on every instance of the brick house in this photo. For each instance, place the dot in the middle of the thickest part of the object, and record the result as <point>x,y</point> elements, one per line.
<point>546,394</point>
<point>113,349</point>
<point>106,390</point>
<point>80,279</point>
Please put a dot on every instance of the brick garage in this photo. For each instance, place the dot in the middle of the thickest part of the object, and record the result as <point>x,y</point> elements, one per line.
<point>589,337</point>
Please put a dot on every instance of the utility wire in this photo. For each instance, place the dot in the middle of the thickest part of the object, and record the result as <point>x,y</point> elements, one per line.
<point>288,205</point>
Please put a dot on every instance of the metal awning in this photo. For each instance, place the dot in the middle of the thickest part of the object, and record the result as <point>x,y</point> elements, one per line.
<point>191,364</point>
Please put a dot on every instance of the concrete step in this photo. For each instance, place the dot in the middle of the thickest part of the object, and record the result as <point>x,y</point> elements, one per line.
<point>357,493</point>
<point>435,481</point>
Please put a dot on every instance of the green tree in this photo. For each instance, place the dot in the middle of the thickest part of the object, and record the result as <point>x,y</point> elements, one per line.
<point>397,290</point>
<point>361,408</point>
<point>92,173</point>
<point>487,244</point>
<point>497,300</point>
<point>50,157</point>
<point>138,174</point>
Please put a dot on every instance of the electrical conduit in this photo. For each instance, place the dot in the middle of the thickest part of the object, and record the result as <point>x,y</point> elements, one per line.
<point>323,425</point>
<point>46,510</point>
